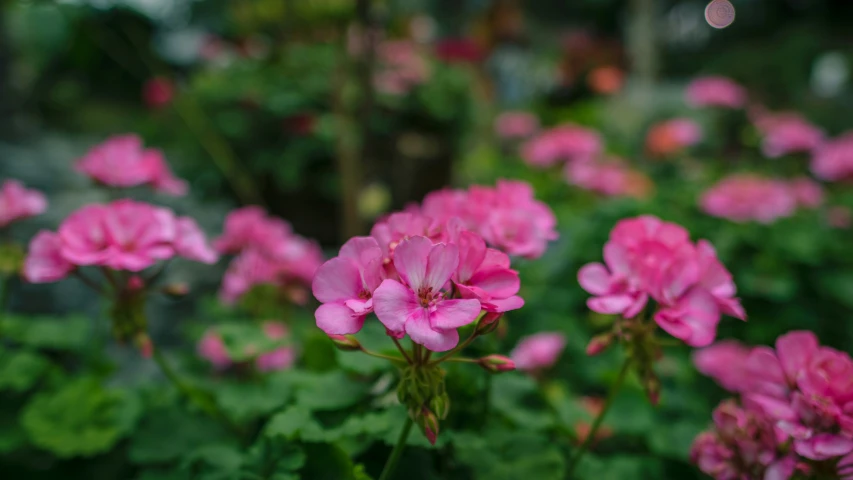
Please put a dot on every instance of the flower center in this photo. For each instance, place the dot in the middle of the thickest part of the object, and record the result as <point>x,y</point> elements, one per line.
<point>364,295</point>
<point>427,297</point>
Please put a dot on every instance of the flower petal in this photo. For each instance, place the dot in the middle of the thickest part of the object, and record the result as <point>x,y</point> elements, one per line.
<point>454,314</point>
<point>442,262</point>
<point>498,282</point>
<point>336,280</point>
<point>419,329</point>
<point>594,278</point>
<point>410,260</point>
<point>610,304</point>
<point>394,303</point>
<point>338,319</point>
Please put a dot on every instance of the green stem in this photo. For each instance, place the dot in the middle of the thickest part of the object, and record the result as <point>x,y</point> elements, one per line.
<point>402,350</point>
<point>380,355</point>
<point>193,394</point>
<point>596,424</point>
<point>5,283</point>
<point>398,450</point>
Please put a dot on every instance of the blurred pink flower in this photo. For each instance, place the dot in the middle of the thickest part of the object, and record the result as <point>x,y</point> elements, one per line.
<point>807,192</point>
<point>565,143</point>
<point>459,50</point>
<point>747,197</point>
<point>158,92</point>
<point>839,217</point>
<point>250,227</point>
<point>606,80</point>
<point>715,91</point>
<point>279,359</point>
<point>786,133</point>
<point>18,202</point>
<point>538,351</point>
<point>191,243</point>
<point>611,178</point>
<point>416,305</point>
<point>211,348</point>
<point>722,361</point>
<point>833,161</point>
<point>672,136</point>
<point>45,262</point>
<point>401,67</point>
<point>516,125</point>
<point>122,162</point>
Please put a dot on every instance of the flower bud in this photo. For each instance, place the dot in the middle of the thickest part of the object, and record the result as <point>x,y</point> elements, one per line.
<point>488,323</point>
<point>143,343</point>
<point>497,363</point>
<point>599,343</point>
<point>429,424</point>
<point>440,404</point>
<point>346,343</point>
<point>176,290</point>
<point>652,387</point>
<point>135,283</point>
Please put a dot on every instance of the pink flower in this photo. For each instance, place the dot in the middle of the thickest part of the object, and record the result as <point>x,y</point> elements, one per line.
<point>746,197</point>
<point>417,305</point>
<point>672,136</point>
<point>249,269</point>
<point>136,235</point>
<point>278,359</point>
<point>714,91</point>
<point>158,92</point>
<point>807,192</point>
<point>484,274</point>
<point>345,286</point>
<point>538,351</point>
<point>45,263</point>
<point>839,217</point>
<point>122,162</point>
<point>565,143</point>
<point>611,178</point>
<point>784,134</point>
<point>211,348</point>
<point>191,243</point>
<point>721,361</point>
<point>459,50</point>
<point>646,257</point>
<point>250,227</point>
<point>18,202</point>
<point>515,125</point>
<point>606,80</point>
<point>401,67</point>
<point>833,161</point>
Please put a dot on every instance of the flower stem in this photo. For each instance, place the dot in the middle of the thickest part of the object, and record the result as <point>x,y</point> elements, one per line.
<point>596,424</point>
<point>455,349</point>
<point>380,355</point>
<point>398,450</point>
<point>5,286</point>
<point>402,350</point>
<point>208,405</point>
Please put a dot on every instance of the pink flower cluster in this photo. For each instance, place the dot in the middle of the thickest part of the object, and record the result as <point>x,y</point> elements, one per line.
<point>508,217</point>
<point>611,178</point>
<point>565,143</point>
<point>122,235</point>
<point>803,390</point>
<point>646,257</point>
<point>267,252</point>
<point>401,67</point>
<point>122,162</point>
<point>516,125</point>
<point>211,347</point>
<point>833,161</point>
<point>18,202</point>
<point>785,133</point>
<point>538,351</point>
<point>672,136</point>
<point>715,91</point>
<point>747,197</point>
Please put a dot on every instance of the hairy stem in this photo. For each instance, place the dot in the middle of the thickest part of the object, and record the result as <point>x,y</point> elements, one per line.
<point>596,424</point>
<point>402,350</point>
<point>398,450</point>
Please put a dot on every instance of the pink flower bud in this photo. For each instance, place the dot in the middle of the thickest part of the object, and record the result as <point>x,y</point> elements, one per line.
<point>599,343</point>
<point>346,343</point>
<point>488,323</point>
<point>135,283</point>
<point>143,343</point>
<point>429,423</point>
<point>497,363</point>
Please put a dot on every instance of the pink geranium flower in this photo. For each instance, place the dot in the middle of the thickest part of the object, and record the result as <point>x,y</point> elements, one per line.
<point>345,286</point>
<point>717,361</point>
<point>539,351</point>
<point>18,202</point>
<point>278,359</point>
<point>122,162</point>
<point>516,125</point>
<point>565,143</point>
<point>484,274</point>
<point>746,197</point>
<point>786,133</point>
<point>417,304</point>
<point>833,161</point>
<point>212,348</point>
<point>45,262</point>
<point>611,178</point>
<point>672,136</point>
<point>715,91</point>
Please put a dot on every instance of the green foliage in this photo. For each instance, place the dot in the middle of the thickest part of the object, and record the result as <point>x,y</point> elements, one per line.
<point>19,371</point>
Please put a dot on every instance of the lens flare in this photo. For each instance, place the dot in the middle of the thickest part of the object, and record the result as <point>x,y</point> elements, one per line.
<point>720,13</point>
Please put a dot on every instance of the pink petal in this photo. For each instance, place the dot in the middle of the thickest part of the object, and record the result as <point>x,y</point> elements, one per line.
<point>472,252</point>
<point>419,329</point>
<point>495,258</point>
<point>795,350</point>
<point>410,260</point>
<point>44,262</point>
<point>394,303</point>
<point>338,319</point>
<point>610,304</point>
<point>497,282</point>
<point>824,446</point>
<point>503,304</point>
<point>636,307</point>
<point>454,314</point>
<point>442,262</point>
<point>336,280</point>
<point>362,250</point>
<point>594,278</point>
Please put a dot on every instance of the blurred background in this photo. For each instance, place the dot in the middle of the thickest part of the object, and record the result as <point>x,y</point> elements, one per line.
<point>332,113</point>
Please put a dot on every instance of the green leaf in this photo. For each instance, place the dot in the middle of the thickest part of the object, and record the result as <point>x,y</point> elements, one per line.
<point>295,423</point>
<point>213,462</point>
<point>327,462</point>
<point>19,371</point>
<point>675,440</point>
<point>328,391</point>
<point>618,468</point>
<point>81,419</point>
<point>510,455</point>
<point>513,395</point>
<point>184,431</point>
<point>71,333</point>
<point>245,401</point>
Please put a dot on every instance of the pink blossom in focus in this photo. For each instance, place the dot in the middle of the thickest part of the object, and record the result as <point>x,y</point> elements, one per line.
<point>565,143</point>
<point>721,361</point>
<point>538,351</point>
<point>122,162</point>
<point>45,263</point>
<point>18,202</point>
<point>833,161</point>
<point>672,136</point>
<point>516,125</point>
<point>746,197</point>
<point>611,178</point>
<point>715,91</point>
<point>158,92</point>
<point>484,274</point>
<point>211,348</point>
<point>417,305</point>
